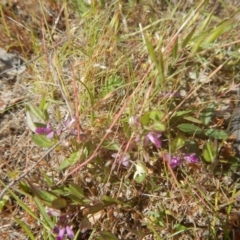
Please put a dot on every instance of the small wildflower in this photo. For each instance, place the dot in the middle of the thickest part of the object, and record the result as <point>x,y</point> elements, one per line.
<point>45,131</point>
<point>62,226</point>
<point>153,137</point>
<point>191,158</point>
<point>174,161</point>
<point>53,212</point>
<point>61,231</point>
<point>125,159</point>
<point>69,122</point>
<point>134,121</point>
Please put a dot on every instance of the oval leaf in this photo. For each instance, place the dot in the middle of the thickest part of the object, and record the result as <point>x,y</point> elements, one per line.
<point>157,126</point>
<point>156,115</point>
<point>107,235</point>
<point>193,119</point>
<point>59,203</point>
<point>189,128</point>
<point>69,161</point>
<point>76,190</point>
<point>215,133</point>
<point>39,114</point>
<point>42,141</point>
<point>209,152</point>
<point>206,114</point>
<point>178,142</point>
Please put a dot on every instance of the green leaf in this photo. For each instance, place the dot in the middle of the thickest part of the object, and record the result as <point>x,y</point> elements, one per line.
<point>157,126</point>
<point>75,156</point>
<point>3,202</point>
<point>217,32</point>
<point>150,49</point>
<point>107,235</point>
<point>46,196</point>
<point>20,202</point>
<point>76,190</point>
<point>59,203</point>
<point>206,114</point>
<point>48,180</point>
<point>153,118</point>
<point>126,129</point>
<point>145,119</point>
<point>43,141</point>
<point>209,151</point>
<point>25,188</point>
<point>216,133</point>
<point>181,113</point>
<point>42,210</point>
<point>140,178</point>
<point>111,145</point>
<point>188,37</point>
<point>156,115</point>
<point>31,121</point>
<point>43,103</point>
<point>141,172</point>
<point>38,113</point>
<point>198,42</point>
<point>175,49</point>
<point>179,227</point>
<point>189,128</point>
<point>192,119</point>
<point>25,228</point>
<point>107,200</point>
<point>178,142</point>
<point>96,208</point>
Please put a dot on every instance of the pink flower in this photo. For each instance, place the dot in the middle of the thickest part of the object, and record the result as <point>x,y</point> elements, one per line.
<point>174,161</point>
<point>45,131</point>
<point>153,137</point>
<point>125,159</point>
<point>61,231</point>
<point>191,158</point>
<point>69,122</point>
<point>53,212</point>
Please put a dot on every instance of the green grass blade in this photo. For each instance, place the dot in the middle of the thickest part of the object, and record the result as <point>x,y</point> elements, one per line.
<point>25,228</point>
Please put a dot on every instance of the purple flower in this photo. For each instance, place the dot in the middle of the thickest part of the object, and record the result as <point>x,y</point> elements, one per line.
<point>61,227</point>
<point>61,231</point>
<point>153,137</point>
<point>69,122</point>
<point>53,212</point>
<point>125,159</point>
<point>174,161</point>
<point>191,158</point>
<point>45,131</point>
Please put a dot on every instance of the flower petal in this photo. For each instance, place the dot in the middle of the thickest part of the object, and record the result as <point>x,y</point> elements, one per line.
<point>154,138</point>
<point>69,122</point>
<point>70,232</point>
<point>125,161</point>
<point>50,135</point>
<point>191,158</point>
<point>45,131</point>
<point>61,233</point>
<point>53,212</point>
<point>174,161</point>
